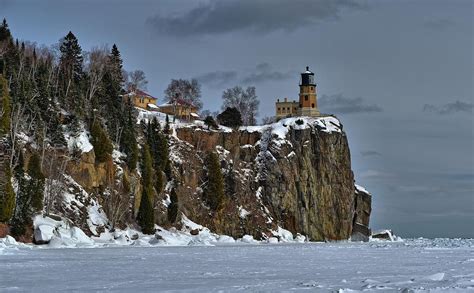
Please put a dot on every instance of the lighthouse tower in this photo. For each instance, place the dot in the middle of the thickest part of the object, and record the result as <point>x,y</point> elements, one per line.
<point>308,105</point>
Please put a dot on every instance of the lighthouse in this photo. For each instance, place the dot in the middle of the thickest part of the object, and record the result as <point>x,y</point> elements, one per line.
<point>308,104</point>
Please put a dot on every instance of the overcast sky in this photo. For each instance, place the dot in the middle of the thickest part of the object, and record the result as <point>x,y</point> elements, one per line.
<point>399,75</point>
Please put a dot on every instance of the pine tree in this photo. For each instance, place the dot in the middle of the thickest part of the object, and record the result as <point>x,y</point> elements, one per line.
<point>5,31</point>
<point>22,216</point>
<point>71,74</point>
<point>5,109</point>
<point>214,189</point>
<point>173,206</point>
<point>102,146</point>
<point>7,197</point>
<point>167,129</point>
<point>210,122</point>
<point>146,217</point>
<point>230,117</point>
<point>36,183</point>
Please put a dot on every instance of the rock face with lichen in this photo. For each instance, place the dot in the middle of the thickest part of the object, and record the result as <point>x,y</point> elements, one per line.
<point>295,174</point>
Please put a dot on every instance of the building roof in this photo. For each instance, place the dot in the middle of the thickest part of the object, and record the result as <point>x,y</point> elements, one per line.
<point>141,93</point>
<point>177,101</point>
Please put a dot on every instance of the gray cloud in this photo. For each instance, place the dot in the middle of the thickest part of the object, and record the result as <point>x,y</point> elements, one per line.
<point>265,73</point>
<point>262,72</point>
<point>342,105</point>
<point>259,16</point>
<point>217,78</point>
<point>449,108</point>
<point>370,153</point>
<point>438,24</point>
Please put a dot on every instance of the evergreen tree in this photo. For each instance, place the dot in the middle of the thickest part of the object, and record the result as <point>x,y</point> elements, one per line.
<point>36,183</point>
<point>22,216</point>
<point>167,129</point>
<point>146,217</point>
<point>173,206</point>
<point>128,140</point>
<point>102,146</point>
<point>158,143</point>
<point>5,34</point>
<point>7,196</point>
<point>230,117</point>
<point>214,189</point>
<point>210,122</point>
<point>5,109</point>
<point>71,75</point>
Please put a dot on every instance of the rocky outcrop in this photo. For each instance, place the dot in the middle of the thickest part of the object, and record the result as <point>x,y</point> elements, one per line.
<point>363,208</point>
<point>295,174</point>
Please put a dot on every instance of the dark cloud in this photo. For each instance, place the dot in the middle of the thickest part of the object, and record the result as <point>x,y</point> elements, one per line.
<point>438,24</point>
<point>342,105</point>
<point>259,16</point>
<point>217,78</point>
<point>370,153</point>
<point>449,108</point>
<point>263,72</point>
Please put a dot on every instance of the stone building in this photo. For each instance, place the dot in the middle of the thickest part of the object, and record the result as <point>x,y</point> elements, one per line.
<point>308,100</point>
<point>286,108</point>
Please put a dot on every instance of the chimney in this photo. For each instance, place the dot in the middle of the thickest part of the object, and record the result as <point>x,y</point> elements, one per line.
<point>286,99</point>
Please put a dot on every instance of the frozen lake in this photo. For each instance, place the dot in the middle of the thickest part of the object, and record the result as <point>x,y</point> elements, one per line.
<point>420,265</point>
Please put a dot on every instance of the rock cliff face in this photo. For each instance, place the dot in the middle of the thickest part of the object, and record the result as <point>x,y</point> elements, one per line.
<point>295,174</point>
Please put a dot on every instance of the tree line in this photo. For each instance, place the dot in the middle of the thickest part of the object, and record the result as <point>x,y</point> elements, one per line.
<point>48,96</point>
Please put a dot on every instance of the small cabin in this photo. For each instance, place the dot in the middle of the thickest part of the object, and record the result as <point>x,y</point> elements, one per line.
<point>142,100</point>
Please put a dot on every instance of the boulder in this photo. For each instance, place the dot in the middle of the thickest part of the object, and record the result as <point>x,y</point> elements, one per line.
<point>384,235</point>
<point>43,234</point>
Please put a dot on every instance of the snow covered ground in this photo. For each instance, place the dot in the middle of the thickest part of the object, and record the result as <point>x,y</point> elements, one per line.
<point>418,265</point>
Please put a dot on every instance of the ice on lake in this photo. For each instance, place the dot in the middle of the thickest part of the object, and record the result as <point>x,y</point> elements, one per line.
<point>420,265</point>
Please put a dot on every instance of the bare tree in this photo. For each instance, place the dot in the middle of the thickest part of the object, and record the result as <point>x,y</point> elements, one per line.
<point>95,67</point>
<point>246,101</point>
<point>268,120</point>
<point>117,200</point>
<point>55,183</point>
<point>187,90</point>
<point>136,80</point>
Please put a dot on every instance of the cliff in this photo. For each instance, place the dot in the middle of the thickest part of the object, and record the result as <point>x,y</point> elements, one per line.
<point>295,174</point>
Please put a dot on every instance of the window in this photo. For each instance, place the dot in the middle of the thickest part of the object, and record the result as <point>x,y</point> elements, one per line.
<point>295,109</point>
<point>312,105</point>
<point>310,88</point>
<point>306,97</point>
<point>278,109</point>
<point>288,108</point>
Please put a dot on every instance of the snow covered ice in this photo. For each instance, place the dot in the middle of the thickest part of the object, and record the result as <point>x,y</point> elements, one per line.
<point>416,265</point>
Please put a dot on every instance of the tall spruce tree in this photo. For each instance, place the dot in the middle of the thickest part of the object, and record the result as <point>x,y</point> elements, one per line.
<point>36,183</point>
<point>7,197</point>
<point>5,108</point>
<point>22,216</point>
<point>214,189</point>
<point>71,74</point>
<point>102,146</point>
<point>173,206</point>
<point>146,217</point>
